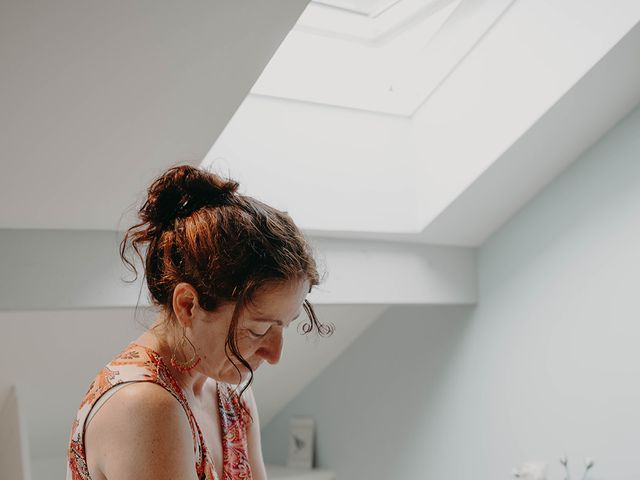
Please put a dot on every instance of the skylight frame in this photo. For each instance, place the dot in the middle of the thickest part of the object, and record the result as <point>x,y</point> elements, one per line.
<point>360,10</point>
<point>392,69</point>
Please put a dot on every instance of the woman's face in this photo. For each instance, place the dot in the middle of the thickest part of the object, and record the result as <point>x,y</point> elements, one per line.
<point>259,333</point>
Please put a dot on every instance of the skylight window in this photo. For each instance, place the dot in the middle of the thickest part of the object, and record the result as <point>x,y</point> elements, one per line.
<point>384,56</point>
<point>369,24</point>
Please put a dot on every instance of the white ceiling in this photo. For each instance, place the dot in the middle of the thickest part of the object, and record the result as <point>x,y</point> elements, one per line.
<point>96,98</point>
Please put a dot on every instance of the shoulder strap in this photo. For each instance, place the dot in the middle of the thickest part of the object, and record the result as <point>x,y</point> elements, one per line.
<point>135,363</point>
<point>235,430</point>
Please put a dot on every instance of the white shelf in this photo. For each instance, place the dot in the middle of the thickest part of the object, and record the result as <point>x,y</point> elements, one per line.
<point>278,472</point>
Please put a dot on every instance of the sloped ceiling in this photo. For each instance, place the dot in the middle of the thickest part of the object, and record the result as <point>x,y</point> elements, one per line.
<point>590,108</point>
<point>98,97</point>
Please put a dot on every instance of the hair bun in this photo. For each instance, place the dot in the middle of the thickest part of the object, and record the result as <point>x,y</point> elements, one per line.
<point>182,190</point>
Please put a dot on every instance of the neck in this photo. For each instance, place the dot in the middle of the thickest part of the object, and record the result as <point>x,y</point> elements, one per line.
<point>192,382</point>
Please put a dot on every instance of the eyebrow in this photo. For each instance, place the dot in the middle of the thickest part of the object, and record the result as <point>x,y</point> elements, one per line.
<point>272,320</point>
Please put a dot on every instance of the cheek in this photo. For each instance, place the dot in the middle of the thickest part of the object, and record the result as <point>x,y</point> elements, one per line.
<point>211,346</point>
<point>246,342</point>
<point>248,345</point>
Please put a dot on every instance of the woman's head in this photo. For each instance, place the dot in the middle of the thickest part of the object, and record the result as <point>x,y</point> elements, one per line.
<point>230,253</point>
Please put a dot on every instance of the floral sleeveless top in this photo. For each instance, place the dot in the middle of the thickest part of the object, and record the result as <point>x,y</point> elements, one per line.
<point>137,363</point>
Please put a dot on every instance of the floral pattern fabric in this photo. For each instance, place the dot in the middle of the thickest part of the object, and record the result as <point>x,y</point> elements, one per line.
<point>137,363</point>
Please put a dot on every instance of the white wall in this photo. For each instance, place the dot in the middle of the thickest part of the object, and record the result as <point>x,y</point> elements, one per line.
<point>14,448</point>
<point>365,403</point>
<point>52,356</point>
<point>546,363</point>
<point>65,269</point>
<point>43,468</point>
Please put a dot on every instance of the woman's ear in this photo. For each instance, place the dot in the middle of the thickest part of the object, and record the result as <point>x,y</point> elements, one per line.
<point>185,303</point>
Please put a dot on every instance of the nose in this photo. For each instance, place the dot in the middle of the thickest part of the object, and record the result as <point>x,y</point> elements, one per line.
<point>271,348</point>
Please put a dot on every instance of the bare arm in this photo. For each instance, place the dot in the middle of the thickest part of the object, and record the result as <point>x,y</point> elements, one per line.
<point>253,439</point>
<point>141,433</point>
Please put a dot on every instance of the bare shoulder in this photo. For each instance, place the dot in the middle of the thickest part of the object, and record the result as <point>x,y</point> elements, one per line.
<point>141,432</point>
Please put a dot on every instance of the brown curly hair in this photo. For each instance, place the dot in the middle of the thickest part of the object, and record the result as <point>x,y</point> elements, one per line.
<point>198,229</point>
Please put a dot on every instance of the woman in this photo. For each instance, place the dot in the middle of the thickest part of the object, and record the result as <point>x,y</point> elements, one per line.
<point>228,274</point>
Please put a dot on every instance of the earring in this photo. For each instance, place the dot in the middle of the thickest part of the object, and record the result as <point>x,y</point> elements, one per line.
<point>189,364</point>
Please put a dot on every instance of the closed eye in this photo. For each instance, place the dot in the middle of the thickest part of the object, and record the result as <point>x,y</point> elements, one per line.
<point>258,334</point>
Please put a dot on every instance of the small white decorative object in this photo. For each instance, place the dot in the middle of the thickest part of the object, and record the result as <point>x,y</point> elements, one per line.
<point>531,471</point>
<point>301,433</point>
<point>537,470</point>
